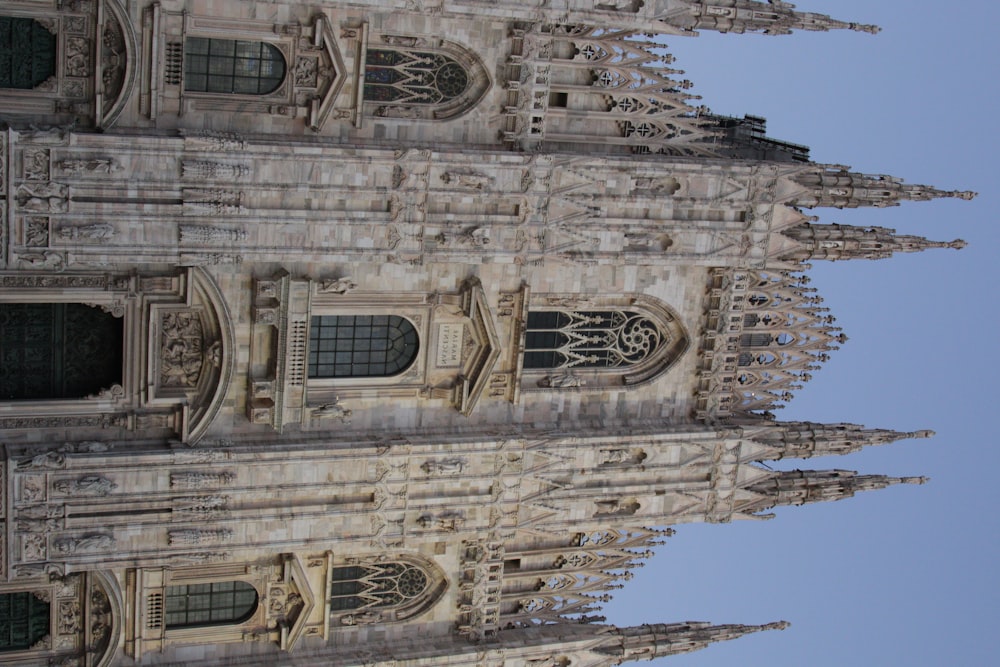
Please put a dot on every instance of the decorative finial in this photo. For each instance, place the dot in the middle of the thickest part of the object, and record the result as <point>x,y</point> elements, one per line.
<point>777,625</point>
<point>958,244</point>
<point>923,433</point>
<point>914,480</point>
<point>864,27</point>
<point>967,195</point>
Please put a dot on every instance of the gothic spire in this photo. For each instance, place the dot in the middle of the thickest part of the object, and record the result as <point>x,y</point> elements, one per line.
<point>804,440</point>
<point>660,640</point>
<point>836,241</point>
<point>837,187</point>
<point>798,487</point>
<point>771,18</point>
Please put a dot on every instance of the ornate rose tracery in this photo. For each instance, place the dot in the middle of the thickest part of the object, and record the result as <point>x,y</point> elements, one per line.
<point>589,339</point>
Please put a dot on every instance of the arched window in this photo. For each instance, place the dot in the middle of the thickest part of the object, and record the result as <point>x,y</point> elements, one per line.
<point>413,77</point>
<point>379,586</point>
<point>218,603</point>
<point>357,346</point>
<point>419,78</point>
<point>589,339</point>
<point>27,53</point>
<point>58,350</point>
<point>24,621</point>
<point>231,66</point>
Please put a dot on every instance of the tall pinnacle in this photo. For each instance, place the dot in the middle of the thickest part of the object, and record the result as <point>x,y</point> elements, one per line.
<point>837,187</point>
<point>838,242</point>
<point>804,440</point>
<point>798,487</point>
<point>659,640</point>
<point>771,18</point>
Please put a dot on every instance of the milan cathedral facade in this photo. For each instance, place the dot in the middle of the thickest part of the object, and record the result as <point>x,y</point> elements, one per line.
<point>393,333</point>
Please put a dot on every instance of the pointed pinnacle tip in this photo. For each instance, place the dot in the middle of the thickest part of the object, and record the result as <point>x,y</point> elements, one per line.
<point>958,244</point>
<point>864,27</point>
<point>923,433</point>
<point>914,480</point>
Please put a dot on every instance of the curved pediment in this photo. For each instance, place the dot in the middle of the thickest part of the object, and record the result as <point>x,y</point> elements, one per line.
<point>192,349</point>
<point>116,71</point>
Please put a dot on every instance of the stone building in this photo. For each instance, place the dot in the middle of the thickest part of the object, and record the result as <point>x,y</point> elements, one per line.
<point>396,332</point>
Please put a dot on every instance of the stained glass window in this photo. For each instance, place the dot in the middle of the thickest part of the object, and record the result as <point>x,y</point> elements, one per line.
<point>413,77</point>
<point>232,66</point>
<point>218,603</point>
<point>589,339</point>
<point>360,346</point>
<point>377,585</point>
<point>27,53</point>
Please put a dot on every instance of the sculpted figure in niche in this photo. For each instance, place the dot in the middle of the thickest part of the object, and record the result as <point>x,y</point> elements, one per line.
<point>623,456</point>
<point>661,186</point>
<point>403,40</point>
<point>99,231</point>
<point>468,181</point>
<point>93,165</point>
<point>337,286</point>
<point>88,543</point>
<point>48,460</point>
<point>565,380</point>
<point>90,485</point>
<point>55,134</point>
<point>44,197</point>
<point>443,466</point>
<point>402,111</point>
<point>447,521</point>
<point>333,410</point>
<point>365,618</point>
<point>616,507</point>
<point>474,236</point>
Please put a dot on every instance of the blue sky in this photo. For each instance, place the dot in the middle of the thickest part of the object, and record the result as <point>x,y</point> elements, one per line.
<point>909,575</point>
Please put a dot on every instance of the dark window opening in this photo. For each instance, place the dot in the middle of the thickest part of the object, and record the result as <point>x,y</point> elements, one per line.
<point>58,350</point>
<point>27,53</point>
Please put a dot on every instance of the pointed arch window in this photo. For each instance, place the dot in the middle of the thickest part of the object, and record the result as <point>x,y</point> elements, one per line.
<point>24,621</point>
<point>590,339</point>
<point>232,66</point>
<point>413,77</point>
<point>27,53</point>
<point>402,588</point>
<point>382,585</point>
<point>418,78</point>
<point>359,346</point>
<point>217,603</point>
